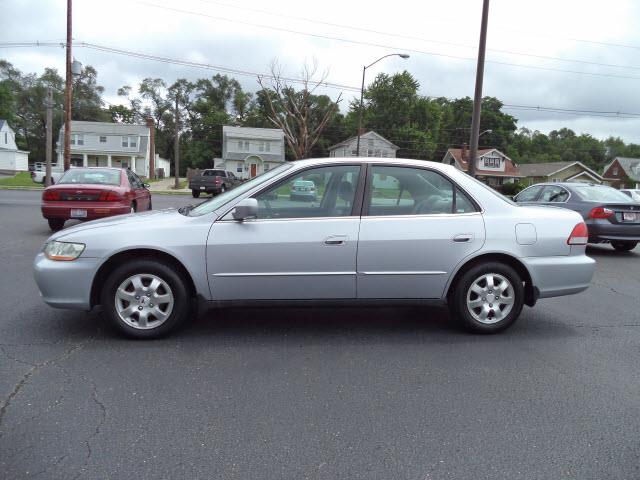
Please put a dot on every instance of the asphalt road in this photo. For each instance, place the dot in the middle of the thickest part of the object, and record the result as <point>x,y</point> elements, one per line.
<point>380,393</point>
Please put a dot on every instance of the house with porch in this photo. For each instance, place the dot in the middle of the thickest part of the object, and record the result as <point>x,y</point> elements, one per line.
<point>12,159</point>
<point>623,172</point>
<point>248,151</point>
<point>492,166</point>
<point>371,145</point>
<point>104,144</point>
<point>558,172</point>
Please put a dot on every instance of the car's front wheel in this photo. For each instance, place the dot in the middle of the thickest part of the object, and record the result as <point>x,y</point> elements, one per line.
<point>145,298</point>
<point>624,246</point>
<point>195,193</point>
<point>487,298</point>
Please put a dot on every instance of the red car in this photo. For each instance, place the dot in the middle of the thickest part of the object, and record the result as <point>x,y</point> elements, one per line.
<point>94,192</point>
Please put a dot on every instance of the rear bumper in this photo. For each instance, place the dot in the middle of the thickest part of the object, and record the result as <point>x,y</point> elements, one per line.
<point>206,189</point>
<point>62,210</point>
<point>65,284</point>
<point>605,232</point>
<point>557,276</point>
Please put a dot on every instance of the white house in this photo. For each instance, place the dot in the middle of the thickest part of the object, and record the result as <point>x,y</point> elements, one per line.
<point>248,152</point>
<point>371,145</point>
<point>11,158</point>
<point>492,166</point>
<point>104,144</point>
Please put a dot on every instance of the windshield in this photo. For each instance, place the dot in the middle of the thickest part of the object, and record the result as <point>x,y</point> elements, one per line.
<point>91,176</point>
<point>601,194</point>
<point>219,200</point>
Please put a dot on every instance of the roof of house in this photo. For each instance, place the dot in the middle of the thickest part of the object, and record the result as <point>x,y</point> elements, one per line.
<point>107,128</point>
<point>547,169</point>
<point>631,167</point>
<point>250,132</point>
<point>510,170</point>
<point>364,135</point>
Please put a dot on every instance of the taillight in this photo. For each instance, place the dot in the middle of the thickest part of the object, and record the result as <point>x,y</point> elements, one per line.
<point>51,195</point>
<point>600,212</point>
<point>217,180</point>
<point>579,235</point>
<point>109,196</point>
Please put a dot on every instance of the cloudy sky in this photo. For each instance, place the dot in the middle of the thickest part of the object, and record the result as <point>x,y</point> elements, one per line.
<point>564,54</point>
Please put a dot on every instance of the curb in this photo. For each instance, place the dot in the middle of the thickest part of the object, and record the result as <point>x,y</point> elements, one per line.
<point>17,187</point>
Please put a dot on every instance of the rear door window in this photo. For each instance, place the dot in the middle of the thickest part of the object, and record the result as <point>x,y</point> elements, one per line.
<point>529,194</point>
<point>554,194</point>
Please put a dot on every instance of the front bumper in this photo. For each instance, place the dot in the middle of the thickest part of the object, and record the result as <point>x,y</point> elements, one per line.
<point>557,276</point>
<point>65,284</point>
<point>605,231</point>
<point>62,210</point>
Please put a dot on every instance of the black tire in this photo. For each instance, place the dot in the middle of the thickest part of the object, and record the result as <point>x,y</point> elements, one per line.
<point>134,207</point>
<point>458,300</point>
<point>624,246</point>
<point>195,193</point>
<point>56,224</point>
<point>168,273</point>
<point>150,205</point>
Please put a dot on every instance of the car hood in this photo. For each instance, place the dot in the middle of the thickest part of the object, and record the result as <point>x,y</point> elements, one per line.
<point>167,215</point>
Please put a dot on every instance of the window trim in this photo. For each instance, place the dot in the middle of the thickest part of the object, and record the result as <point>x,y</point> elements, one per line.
<point>535,199</point>
<point>369,186</point>
<point>356,208</point>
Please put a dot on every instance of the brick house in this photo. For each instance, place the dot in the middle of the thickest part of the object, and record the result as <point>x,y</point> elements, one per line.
<point>492,166</point>
<point>623,172</point>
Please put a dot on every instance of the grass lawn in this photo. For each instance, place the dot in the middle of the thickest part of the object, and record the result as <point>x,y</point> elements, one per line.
<point>22,179</point>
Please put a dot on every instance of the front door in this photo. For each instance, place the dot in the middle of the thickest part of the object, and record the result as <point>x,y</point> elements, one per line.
<point>254,169</point>
<point>303,245</point>
<point>417,226</point>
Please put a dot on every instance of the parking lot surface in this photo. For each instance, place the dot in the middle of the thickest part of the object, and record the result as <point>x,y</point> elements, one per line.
<point>290,393</point>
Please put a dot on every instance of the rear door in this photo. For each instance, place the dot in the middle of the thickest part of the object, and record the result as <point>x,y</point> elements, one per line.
<point>416,227</point>
<point>140,193</point>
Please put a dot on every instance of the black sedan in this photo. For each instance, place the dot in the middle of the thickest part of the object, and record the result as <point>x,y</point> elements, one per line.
<point>611,216</point>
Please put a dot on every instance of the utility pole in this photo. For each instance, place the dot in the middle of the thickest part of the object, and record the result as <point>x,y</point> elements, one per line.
<point>477,98</point>
<point>176,147</point>
<point>68,92</point>
<point>152,148</point>
<point>48,148</point>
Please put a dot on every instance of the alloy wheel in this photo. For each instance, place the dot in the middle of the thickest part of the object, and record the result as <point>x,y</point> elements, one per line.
<point>144,301</point>
<point>490,298</point>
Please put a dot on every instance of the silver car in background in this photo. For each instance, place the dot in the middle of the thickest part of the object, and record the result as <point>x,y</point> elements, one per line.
<point>381,230</point>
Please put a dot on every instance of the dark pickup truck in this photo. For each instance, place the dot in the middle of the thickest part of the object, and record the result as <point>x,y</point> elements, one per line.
<point>212,181</point>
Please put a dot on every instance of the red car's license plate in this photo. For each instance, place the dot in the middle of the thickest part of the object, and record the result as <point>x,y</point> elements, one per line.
<point>76,213</point>
<point>629,216</point>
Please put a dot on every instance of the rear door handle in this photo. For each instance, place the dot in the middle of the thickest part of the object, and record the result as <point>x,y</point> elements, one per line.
<point>463,237</point>
<point>335,240</point>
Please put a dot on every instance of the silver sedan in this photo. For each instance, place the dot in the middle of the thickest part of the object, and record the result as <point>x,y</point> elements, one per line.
<point>379,230</point>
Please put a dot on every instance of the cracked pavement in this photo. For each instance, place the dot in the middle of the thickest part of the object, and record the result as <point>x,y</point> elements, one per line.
<point>378,393</point>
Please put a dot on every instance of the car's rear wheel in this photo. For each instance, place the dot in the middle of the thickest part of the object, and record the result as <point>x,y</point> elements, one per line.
<point>195,193</point>
<point>134,208</point>
<point>487,298</point>
<point>55,224</point>
<point>145,298</point>
<point>624,246</point>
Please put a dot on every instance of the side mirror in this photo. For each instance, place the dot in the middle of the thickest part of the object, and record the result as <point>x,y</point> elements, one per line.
<point>247,208</point>
<point>146,185</point>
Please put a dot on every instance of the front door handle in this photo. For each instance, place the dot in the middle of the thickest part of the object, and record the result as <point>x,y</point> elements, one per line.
<point>335,240</point>
<point>463,237</point>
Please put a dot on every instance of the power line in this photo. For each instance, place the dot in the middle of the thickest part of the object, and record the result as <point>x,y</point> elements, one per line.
<point>411,37</point>
<point>362,29</point>
<point>174,61</point>
<point>378,45</point>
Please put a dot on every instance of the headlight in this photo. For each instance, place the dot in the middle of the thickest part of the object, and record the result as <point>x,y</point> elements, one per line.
<point>63,251</point>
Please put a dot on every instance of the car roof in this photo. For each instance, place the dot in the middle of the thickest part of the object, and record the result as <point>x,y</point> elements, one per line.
<point>443,167</point>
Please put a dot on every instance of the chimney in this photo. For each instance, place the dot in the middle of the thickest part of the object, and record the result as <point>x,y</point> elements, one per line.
<point>152,147</point>
<point>464,153</point>
<point>362,131</point>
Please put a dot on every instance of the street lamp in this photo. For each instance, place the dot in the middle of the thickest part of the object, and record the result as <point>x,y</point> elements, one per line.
<point>364,70</point>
